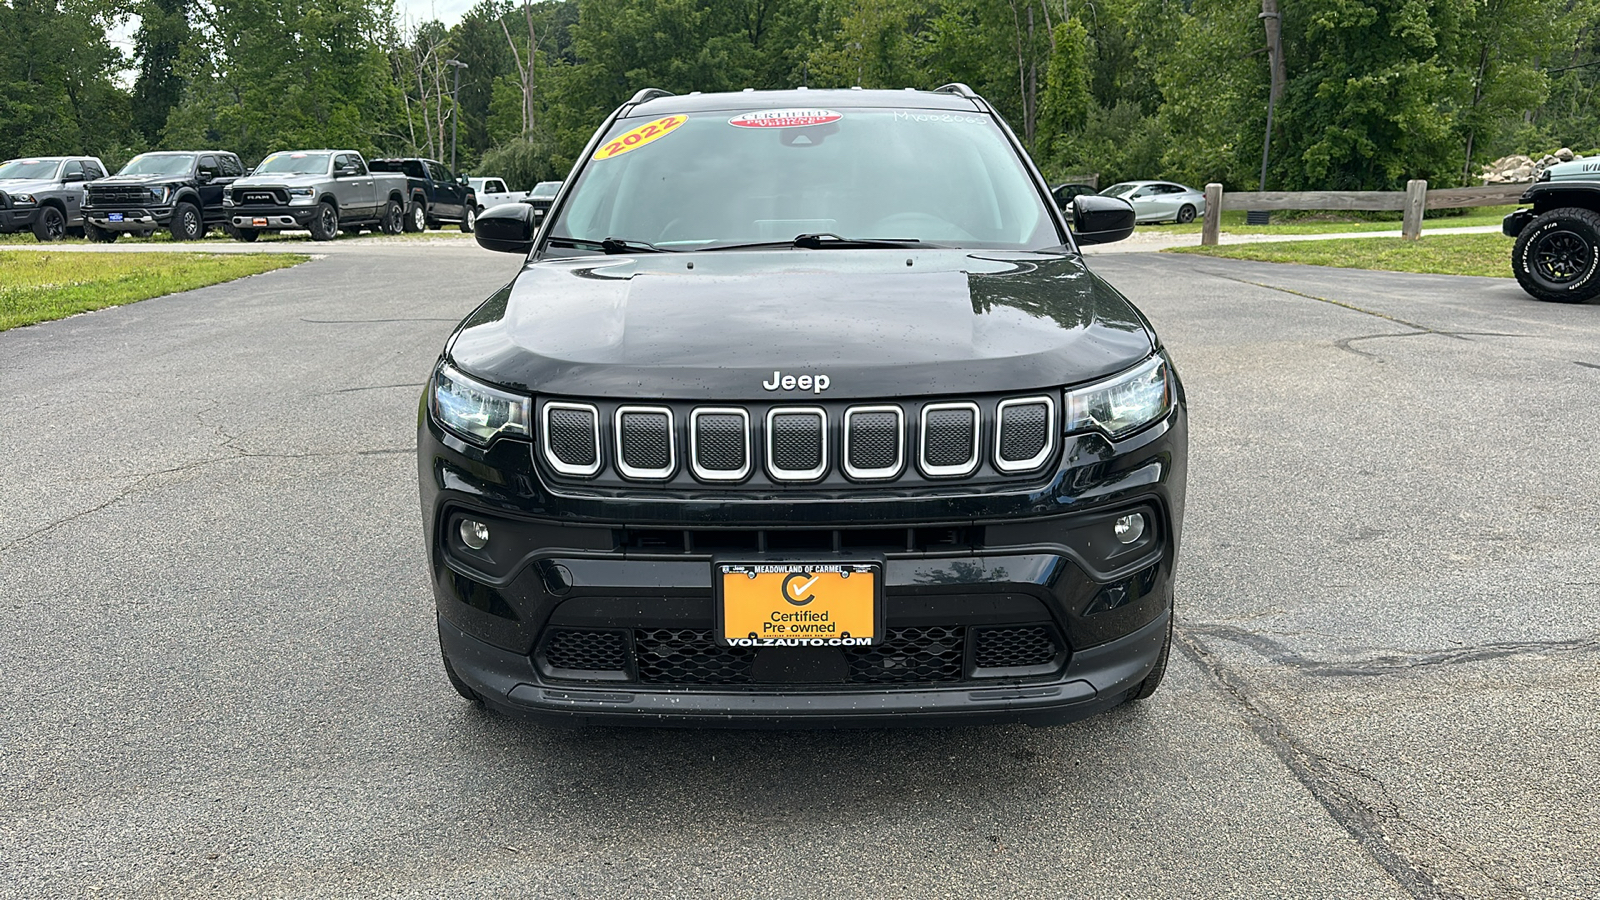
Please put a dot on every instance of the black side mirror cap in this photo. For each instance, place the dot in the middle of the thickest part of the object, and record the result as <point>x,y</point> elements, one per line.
<point>1101,220</point>
<point>507,228</point>
<point>72,178</point>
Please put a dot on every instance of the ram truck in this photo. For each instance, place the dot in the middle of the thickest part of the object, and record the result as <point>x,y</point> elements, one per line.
<point>44,194</point>
<point>321,191</point>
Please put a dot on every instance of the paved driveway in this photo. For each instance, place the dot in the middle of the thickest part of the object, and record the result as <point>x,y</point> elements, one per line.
<point>221,677</point>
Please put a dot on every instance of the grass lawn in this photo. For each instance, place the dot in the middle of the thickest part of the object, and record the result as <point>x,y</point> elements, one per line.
<point>39,286</point>
<point>1441,254</point>
<point>1334,223</point>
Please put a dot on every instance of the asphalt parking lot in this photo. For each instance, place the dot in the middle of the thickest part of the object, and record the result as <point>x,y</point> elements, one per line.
<point>221,678</point>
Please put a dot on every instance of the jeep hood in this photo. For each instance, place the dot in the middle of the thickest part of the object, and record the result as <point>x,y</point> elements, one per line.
<point>878,323</point>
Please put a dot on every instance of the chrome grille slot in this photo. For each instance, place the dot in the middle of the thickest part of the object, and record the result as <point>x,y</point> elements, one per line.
<point>571,438</point>
<point>949,445</point>
<point>797,443</point>
<point>1024,434</point>
<point>719,443</point>
<point>874,441</point>
<point>645,442</point>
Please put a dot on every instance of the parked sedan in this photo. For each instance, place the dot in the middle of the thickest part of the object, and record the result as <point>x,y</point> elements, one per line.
<point>1160,201</point>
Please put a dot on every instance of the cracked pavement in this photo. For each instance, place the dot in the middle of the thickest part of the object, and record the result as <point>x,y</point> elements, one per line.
<point>222,677</point>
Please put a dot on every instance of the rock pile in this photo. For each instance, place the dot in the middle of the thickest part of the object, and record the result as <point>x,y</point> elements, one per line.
<point>1516,169</point>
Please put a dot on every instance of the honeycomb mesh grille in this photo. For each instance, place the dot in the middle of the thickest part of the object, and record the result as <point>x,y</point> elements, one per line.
<point>874,440</point>
<point>796,442</point>
<point>914,655</point>
<point>948,437</point>
<point>719,443</point>
<point>689,656</point>
<point>1024,431</point>
<point>588,651</point>
<point>1009,648</point>
<point>646,440</point>
<point>572,436</point>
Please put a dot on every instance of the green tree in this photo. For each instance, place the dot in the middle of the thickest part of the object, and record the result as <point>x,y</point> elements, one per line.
<point>159,42</point>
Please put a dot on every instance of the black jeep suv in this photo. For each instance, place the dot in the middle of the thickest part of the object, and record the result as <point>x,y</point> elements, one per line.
<point>180,191</point>
<point>804,410</point>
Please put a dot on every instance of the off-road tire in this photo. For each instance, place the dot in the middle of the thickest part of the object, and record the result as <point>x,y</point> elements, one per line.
<point>325,223</point>
<point>416,218</point>
<point>1148,686</point>
<point>393,218</point>
<point>99,235</point>
<point>248,235</point>
<point>469,220</point>
<point>1557,256</point>
<point>1186,214</point>
<point>51,225</point>
<point>187,223</point>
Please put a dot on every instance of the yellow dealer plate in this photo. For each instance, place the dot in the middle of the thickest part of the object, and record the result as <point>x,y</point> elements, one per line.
<point>799,604</point>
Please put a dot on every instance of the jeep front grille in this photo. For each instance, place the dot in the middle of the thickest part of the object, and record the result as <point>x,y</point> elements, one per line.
<point>990,440</point>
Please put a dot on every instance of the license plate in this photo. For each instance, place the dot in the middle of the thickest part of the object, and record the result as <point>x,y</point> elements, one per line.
<point>799,604</point>
<point>258,221</point>
<point>114,217</point>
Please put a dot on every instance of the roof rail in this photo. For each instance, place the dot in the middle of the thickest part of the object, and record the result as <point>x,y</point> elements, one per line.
<point>957,88</point>
<point>649,94</point>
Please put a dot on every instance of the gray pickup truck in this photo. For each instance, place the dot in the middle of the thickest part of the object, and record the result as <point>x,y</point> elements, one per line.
<point>45,194</point>
<point>322,191</point>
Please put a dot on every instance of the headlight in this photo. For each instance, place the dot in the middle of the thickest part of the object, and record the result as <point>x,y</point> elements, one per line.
<point>301,195</point>
<point>476,411</point>
<point>159,195</point>
<point>24,199</point>
<point>1122,404</point>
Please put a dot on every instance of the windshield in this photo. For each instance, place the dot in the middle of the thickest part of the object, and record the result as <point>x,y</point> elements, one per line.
<point>29,168</point>
<point>159,164</point>
<point>294,164</point>
<point>685,182</point>
<point>546,189</point>
<point>1117,190</point>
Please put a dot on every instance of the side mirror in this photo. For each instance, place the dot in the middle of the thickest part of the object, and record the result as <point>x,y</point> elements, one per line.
<point>72,178</point>
<point>507,228</point>
<point>344,172</point>
<point>205,177</point>
<point>1101,220</point>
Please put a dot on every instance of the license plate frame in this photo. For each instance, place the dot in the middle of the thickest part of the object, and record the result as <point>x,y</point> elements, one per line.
<point>777,580</point>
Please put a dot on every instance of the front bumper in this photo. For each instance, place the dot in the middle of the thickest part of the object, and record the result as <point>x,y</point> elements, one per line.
<point>16,219</point>
<point>271,217</point>
<point>1512,225</point>
<point>962,559</point>
<point>142,219</point>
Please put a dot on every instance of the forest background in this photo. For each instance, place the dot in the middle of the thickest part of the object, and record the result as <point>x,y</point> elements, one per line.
<point>1375,91</point>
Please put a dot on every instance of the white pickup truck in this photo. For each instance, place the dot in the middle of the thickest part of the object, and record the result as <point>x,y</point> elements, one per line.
<point>491,192</point>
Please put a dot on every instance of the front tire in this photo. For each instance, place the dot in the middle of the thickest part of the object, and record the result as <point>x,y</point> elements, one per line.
<point>1186,214</point>
<point>1557,256</point>
<point>469,221</point>
<point>325,224</point>
<point>51,225</point>
<point>393,218</point>
<point>99,235</point>
<point>1148,686</point>
<point>248,235</point>
<point>187,225</point>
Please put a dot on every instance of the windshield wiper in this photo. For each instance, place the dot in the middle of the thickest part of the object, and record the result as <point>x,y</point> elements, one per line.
<point>824,241</point>
<point>610,245</point>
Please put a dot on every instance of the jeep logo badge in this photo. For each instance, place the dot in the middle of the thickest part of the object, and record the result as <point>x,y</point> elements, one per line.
<point>816,384</point>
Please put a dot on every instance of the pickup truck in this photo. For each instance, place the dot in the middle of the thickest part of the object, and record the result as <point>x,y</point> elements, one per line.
<point>45,194</point>
<point>435,194</point>
<point>492,192</point>
<point>180,190</point>
<point>322,191</point>
<point>1557,253</point>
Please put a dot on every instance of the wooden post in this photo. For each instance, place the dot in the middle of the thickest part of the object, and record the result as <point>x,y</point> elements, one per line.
<point>1213,221</point>
<point>1416,202</point>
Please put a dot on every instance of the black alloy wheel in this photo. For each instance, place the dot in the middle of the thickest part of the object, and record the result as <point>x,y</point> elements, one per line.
<point>393,218</point>
<point>1186,214</point>
<point>1557,256</point>
<point>416,218</point>
<point>325,224</point>
<point>51,225</point>
<point>187,224</point>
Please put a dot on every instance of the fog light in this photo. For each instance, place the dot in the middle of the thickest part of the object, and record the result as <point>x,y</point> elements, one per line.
<point>475,534</point>
<point>1128,528</point>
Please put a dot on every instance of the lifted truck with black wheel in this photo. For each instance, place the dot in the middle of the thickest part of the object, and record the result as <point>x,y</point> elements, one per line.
<point>180,191</point>
<point>44,194</point>
<point>1557,254</point>
<point>322,191</point>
